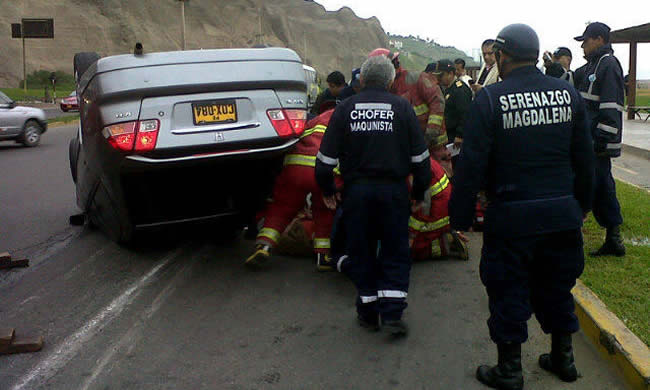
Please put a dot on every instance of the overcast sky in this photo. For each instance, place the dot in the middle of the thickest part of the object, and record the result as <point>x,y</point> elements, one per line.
<point>465,24</point>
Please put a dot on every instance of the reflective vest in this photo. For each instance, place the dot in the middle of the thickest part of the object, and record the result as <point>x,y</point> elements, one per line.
<point>433,218</point>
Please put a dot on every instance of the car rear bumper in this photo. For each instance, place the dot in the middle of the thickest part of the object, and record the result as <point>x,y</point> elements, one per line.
<point>241,153</point>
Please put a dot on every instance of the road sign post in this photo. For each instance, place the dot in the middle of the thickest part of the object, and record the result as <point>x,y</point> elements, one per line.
<point>31,28</point>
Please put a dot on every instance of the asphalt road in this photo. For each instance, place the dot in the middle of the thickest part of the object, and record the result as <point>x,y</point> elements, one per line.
<point>181,312</point>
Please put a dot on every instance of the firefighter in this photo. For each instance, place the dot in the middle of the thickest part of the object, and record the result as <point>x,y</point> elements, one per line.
<point>531,147</point>
<point>603,89</point>
<point>423,92</point>
<point>377,140</point>
<point>430,236</point>
<point>292,186</point>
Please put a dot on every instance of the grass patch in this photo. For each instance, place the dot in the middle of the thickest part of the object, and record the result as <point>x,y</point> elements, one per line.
<point>64,119</point>
<point>623,284</point>
<point>18,95</point>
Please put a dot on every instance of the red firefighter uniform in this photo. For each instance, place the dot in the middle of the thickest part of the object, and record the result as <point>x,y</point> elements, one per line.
<point>430,233</point>
<point>424,94</point>
<point>296,180</point>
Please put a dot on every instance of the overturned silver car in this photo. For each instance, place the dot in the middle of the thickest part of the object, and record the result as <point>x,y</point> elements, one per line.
<point>183,136</point>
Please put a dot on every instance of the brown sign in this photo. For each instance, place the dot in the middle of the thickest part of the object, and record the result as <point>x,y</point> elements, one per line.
<point>16,31</point>
<point>38,28</point>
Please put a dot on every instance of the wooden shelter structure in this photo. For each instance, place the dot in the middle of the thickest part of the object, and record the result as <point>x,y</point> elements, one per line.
<point>633,36</point>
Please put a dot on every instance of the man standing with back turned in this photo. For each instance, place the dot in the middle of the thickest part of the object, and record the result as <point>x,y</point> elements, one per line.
<point>603,89</point>
<point>376,138</point>
<point>530,145</point>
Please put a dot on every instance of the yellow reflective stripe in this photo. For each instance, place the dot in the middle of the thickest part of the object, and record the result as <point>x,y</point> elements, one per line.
<point>435,248</point>
<point>300,159</point>
<point>321,243</point>
<point>315,129</point>
<point>440,186</point>
<point>269,233</point>
<point>439,139</point>
<point>421,109</point>
<point>435,120</point>
<point>424,227</point>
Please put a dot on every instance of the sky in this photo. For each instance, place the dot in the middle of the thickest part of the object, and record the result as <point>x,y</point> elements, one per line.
<point>465,24</point>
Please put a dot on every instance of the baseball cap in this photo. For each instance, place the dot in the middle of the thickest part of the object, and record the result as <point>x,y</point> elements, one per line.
<point>445,66</point>
<point>562,51</point>
<point>593,30</point>
<point>356,76</point>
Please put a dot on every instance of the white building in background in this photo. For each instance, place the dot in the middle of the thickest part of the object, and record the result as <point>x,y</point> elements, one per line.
<point>396,44</point>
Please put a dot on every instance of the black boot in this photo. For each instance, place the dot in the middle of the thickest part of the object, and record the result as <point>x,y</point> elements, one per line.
<point>506,375</point>
<point>613,245</point>
<point>560,361</point>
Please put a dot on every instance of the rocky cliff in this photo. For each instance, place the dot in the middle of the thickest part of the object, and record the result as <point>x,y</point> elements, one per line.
<point>327,40</point>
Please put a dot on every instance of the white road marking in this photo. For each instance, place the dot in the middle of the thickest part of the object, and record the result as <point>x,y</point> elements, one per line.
<point>625,169</point>
<point>66,350</point>
<point>130,338</point>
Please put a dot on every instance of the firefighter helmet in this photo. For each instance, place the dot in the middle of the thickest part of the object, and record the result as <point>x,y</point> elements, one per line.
<point>384,52</point>
<point>519,41</point>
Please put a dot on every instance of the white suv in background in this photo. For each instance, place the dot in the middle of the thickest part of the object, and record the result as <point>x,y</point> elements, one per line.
<point>19,123</point>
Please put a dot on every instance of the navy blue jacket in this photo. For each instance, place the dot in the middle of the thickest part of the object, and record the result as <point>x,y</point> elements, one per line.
<point>375,136</point>
<point>527,144</point>
<point>601,85</point>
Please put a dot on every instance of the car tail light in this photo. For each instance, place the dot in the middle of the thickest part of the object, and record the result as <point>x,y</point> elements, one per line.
<point>288,122</point>
<point>147,135</point>
<point>121,136</point>
<point>140,136</point>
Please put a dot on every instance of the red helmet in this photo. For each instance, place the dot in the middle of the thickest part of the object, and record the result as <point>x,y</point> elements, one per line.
<point>383,52</point>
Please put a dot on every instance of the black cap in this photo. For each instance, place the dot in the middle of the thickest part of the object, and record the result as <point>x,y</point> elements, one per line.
<point>520,41</point>
<point>445,66</point>
<point>594,30</point>
<point>562,51</point>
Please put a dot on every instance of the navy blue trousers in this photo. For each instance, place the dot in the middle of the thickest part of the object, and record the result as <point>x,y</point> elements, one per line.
<point>528,275</point>
<point>606,208</point>
<point>375,212</point>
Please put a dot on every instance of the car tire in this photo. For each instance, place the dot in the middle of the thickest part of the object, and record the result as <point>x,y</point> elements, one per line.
<point>31,134</point>
<point>73,154</point>
<point>64,110</point>
<point>82,62</point>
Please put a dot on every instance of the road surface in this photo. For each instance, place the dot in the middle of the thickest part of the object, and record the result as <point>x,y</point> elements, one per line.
<point>181,312</point>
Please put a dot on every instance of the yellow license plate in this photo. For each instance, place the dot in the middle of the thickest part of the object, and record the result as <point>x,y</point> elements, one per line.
<point>220,111</point>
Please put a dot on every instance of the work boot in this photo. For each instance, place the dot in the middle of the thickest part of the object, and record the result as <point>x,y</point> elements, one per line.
<point>370,322</point>
<point>395,328</point>
<point>613,245</point>
<point>260,256</point>
<point>560,361</point>
<point>324,263</point>
<point>457,247</point>
<point>507,374</point>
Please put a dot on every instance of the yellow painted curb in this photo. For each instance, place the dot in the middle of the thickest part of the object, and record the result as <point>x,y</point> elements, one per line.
<point>60,124</point>
<point>615,342</point>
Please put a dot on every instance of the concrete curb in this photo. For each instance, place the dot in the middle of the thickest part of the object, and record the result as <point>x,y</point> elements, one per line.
<point>60,124</point>
<point>636,151</point>
<point>615,342</point>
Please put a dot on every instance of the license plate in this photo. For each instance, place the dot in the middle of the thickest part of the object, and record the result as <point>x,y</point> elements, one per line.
<point>210,112</point>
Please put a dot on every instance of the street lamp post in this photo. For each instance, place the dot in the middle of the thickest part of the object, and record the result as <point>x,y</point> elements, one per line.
<point>183,21</point>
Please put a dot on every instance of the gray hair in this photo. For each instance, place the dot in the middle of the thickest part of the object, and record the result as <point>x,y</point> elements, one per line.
<point>377,71</point>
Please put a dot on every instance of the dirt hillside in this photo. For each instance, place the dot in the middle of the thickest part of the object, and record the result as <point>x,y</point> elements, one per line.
<point>328,40</point>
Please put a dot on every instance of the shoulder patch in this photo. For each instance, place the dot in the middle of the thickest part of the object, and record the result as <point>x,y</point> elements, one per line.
<point>459,83</point>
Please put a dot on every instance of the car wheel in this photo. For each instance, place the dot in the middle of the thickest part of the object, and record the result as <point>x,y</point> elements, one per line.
<point>31,134</point>
<point>82,62</point>
<point>64,110</point>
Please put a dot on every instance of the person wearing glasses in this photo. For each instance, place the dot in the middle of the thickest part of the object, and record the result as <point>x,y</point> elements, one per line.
<point>489,73</point>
